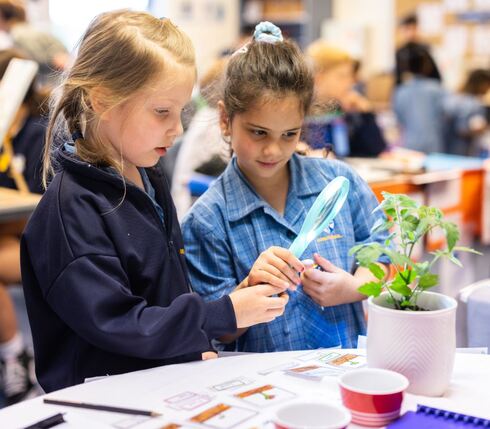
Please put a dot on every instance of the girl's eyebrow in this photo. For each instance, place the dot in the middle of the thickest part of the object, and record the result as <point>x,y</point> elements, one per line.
<point>267,129</point>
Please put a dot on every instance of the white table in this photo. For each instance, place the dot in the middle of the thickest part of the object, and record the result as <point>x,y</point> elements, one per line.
<point>469,392</point>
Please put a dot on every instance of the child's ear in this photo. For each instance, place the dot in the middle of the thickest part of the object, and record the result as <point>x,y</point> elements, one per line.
<point>224,120</point>
<point>99,100</point>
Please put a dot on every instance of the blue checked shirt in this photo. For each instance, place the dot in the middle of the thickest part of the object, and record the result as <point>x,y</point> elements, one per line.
<point>230,225</point>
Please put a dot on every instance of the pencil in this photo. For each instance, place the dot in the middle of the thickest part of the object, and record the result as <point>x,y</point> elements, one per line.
<point>101,407</point>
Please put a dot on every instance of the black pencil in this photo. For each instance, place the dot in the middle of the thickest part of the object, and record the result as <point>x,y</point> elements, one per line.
<point>101,407</point>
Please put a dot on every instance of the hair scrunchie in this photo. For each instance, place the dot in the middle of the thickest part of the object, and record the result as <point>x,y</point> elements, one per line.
<point>267,32</point>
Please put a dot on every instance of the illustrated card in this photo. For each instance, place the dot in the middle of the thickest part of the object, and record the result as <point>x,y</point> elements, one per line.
<point>187,401</point>
<point>345,360</point>
<point>223,416</point>
<point>175,426</point>
<point>234,383</point>
<point>265,395</point>
<point>312,372</point>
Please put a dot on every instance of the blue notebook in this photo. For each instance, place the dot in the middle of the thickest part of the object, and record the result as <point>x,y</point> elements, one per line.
<point>433,418</point>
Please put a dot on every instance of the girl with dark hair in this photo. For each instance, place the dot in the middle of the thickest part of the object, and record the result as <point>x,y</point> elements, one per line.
<point>262,198</point>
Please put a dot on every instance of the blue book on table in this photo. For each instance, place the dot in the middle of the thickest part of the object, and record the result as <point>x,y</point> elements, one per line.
<point>433,418</point>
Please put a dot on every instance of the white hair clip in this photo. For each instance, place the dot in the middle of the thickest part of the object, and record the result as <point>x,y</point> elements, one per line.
<point>267,32</point>
<point>242,50</point>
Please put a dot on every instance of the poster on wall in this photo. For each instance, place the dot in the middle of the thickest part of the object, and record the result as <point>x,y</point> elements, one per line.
<point>431,19</point>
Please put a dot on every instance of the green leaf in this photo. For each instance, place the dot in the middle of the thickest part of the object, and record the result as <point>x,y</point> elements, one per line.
<point>467,249</point>
<point>381,225</point>
<point>400,286</point>
<point>377,271</point>
<point>397,258</point>
<point>371,288</point>
<point>428,280</point>
<point>355,249</point>
<point>452,234</point>
<point>455,260</point>
<point>369,254</point>
<point>422,267</point>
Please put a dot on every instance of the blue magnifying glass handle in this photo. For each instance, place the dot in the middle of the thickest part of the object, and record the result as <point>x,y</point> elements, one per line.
<point>323,211</point>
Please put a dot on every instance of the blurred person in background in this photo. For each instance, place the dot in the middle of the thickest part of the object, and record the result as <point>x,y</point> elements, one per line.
<point>17,379</point>
<point>409,35</point>
<point>42,47</point>
<point>417,103</point>
<point>334,86</point>
<point>202,149</point>
<point>466,121</point>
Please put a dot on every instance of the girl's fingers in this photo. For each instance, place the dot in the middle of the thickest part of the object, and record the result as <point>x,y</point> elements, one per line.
<point>326,264</point>
<point>285,269</point>
<point>277,280</point>
<point>289,258</point>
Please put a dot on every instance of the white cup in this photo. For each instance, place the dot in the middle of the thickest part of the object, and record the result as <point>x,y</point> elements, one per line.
<point>311,415</point>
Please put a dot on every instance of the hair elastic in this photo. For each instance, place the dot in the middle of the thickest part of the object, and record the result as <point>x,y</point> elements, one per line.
<point>267,32</point>
<point>76,135</point>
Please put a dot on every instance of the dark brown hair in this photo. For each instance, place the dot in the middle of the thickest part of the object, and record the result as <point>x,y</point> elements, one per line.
<point>262,69</point>
<point>12,11</point>
<point>477,83</point>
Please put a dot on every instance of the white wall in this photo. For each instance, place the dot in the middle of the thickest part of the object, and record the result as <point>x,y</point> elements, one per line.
<point>376,18</point>
<point>213,25</point>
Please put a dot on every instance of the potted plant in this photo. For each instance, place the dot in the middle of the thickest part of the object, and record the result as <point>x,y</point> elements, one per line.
<point>410,330</point>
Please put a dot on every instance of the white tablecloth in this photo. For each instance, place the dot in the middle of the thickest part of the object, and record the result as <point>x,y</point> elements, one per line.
<point>469,392</point>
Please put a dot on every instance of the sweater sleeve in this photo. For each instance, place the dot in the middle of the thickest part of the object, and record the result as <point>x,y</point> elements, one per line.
<point>92,298</point>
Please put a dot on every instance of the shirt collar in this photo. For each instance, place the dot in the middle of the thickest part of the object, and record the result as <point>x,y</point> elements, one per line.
<point>241,198</point>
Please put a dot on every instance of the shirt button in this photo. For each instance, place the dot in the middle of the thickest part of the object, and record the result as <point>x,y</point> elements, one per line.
<point>286,331</point>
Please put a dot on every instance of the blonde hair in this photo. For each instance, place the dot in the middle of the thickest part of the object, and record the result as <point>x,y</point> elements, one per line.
<point>212,80</point>
<point>121,52</point>
<point>325,57</point>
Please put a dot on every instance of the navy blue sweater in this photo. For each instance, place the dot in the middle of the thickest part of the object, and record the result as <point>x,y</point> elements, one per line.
<point>106,283</point>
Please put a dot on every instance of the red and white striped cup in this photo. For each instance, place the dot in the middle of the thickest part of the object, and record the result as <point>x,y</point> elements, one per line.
<point>373,396</point>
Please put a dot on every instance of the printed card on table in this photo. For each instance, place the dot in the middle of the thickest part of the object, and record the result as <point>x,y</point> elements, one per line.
<point>175,426</point>
<point>345,360</point>
<point>232,384</point>
<point>265,395</point>
<point>312,372</point>
<point>223,416</point>
<point>187,401</point>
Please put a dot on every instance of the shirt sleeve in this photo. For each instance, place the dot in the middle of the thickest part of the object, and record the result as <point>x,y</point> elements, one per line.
<point>92,297</point>
<point>209,257</point>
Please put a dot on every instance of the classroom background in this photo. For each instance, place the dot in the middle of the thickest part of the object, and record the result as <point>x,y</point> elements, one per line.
<point>407,56</point>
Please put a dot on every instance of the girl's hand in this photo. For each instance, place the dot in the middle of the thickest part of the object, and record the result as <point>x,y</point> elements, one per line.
<point>209,355</point>
<point>278,267</point>
<point>330,287</point>
<point>255,305</point>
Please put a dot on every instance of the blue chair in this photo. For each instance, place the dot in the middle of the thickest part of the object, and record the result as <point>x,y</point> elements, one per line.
<point>199,184</point>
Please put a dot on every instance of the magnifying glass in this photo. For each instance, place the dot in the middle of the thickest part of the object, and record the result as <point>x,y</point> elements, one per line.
<point>323,211</point>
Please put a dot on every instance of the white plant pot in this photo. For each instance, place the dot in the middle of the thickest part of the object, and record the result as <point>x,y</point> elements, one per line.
<point>418,344</point>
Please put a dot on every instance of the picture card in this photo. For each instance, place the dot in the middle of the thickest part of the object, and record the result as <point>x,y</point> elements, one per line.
<point>312,372</point>
<point>266,395</point>
<point>187,401</point>
<point>345,360</point>
<point>234,383</point>
<point>223,416</point>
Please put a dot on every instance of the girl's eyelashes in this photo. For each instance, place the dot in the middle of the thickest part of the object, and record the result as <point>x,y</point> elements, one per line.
<point>290,134</point>
<point>258,132</point>
<point>161,111</point>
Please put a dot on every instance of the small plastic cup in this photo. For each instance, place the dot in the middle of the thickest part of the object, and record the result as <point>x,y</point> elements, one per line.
<point>373,396</point>
<point>311,415</point>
